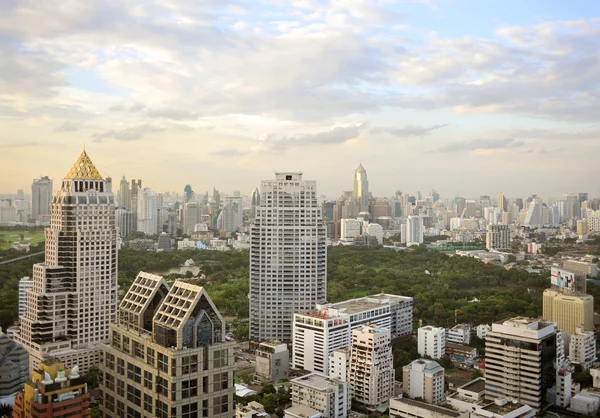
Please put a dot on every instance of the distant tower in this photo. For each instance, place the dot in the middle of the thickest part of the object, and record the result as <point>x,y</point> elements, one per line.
<point>254,202</point>
<point>361,188</point>
<point>41,196</point>
<point>217,197</point>
<point>124,196</point>
<point>288,223</point>
<point>146,212</point>
<point>502,202</point>
<point>188,193</point>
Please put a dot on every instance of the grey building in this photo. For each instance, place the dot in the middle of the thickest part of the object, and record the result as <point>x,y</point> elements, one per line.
<point>14,366</point>
<point>41,197</point>
<point>272,362</point>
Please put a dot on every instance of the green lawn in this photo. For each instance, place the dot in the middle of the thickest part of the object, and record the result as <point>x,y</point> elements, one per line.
<point>35,237</point>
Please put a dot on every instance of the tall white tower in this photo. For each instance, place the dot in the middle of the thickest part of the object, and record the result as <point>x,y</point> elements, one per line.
<point>288,256</point>
<point>74,294</point>
<point>41,196</point>
<point>361,188</point>
<point>146,212</point>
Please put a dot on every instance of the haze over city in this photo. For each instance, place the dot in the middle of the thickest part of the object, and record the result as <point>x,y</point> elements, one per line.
<point>462,96</point>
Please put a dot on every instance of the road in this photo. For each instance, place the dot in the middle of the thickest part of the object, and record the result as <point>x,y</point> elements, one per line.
<point>25,257</point>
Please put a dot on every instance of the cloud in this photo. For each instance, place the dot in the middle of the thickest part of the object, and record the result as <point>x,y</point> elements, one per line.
<point>171,113</point>
<point>20,144</point>
<point>130,133</point>
<point>408,130</point>
<point>136,107</point>
<point>67,127</point>
<point>337,135</point>
<point>482,144</point>
<point>230,152</point>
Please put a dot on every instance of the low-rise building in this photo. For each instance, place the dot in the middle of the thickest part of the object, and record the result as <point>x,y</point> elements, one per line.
<point>459,334</point>
<point>54,391</point>
<point>424,379</point>
<point>328,396</point>
<point>410,408</point>
<point>482,330</point>
<point>252,410</point>
<point>302,411</point>
<point>582,348</point>
<point>582,268</point>
<point>431,341</point>
<point>272,362</point>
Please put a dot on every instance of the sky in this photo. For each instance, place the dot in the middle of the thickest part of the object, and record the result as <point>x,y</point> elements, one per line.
<point>465,97</point>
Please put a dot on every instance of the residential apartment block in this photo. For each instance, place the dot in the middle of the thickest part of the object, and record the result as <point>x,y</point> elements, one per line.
<point>322,393</point>
<point>288,256</point>
<point>424,379</point>
<point>318,334</point>
<point>168,355</point>
<point>431,341</point>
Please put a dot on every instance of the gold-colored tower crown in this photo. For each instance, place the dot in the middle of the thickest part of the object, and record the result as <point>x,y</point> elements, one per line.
<point>84,168</point>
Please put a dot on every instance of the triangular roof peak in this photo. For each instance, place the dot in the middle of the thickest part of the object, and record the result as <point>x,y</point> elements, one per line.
<point>84,169</point>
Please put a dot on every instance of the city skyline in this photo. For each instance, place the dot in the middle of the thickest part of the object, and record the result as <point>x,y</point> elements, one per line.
<point>456,95</point>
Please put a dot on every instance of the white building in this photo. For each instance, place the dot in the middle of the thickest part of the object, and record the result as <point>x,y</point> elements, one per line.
<point>564,384</point>
<point>414,230</point>
<point>339,364</point>
<point>232,214</point>
<point>41,196</point>
<point>497,237</point>
<point>74,294</point>
<point>350,229</point>
<point>410,408</point>
<point>431,341</point>
<point>534,214</point>
<point>25,284</point>
<point>372,371</point>
<point>482,330</point>
<point>288,256</point>
<point>324,394</point>
<point>520,355</point>
<point>146,212</point>
<point>424,379</point>
<point>582,348</point>
<point>459,334</point>
<point>375,230</point>
<point>317,334</point>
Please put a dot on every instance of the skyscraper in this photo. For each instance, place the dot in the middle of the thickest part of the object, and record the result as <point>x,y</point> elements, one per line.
<point>124,196</point>
<point>41,196</point>
<point>502,202</point>
<point>232,214</point>
<point>534,213</point>
<point>146,212</point>
<point>361,188</point>
<point>74,294</point>
<point>178,361</point>
<point>254,202</point>
<point>188,193</point>
<point>288,256</point>
<point>414,230</point>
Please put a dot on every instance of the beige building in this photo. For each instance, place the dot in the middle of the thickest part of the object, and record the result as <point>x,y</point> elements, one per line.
<point>520,356</point>
<point>424,379</point>
<point>272,362</point>
<point>73,298</point>
<point>167,354</point>
<point>252,410</point>
<point>371,372</point>
<point>328,396</point>
<point>569,310</point>
<point>410,408</point>
<point>582,348</point>
<point>582,268</point>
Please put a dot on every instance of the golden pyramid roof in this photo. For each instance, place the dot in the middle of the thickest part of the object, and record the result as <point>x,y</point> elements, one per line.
<point>84,168</point>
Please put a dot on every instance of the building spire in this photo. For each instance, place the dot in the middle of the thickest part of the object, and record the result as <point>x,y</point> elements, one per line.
<point>84,169</point>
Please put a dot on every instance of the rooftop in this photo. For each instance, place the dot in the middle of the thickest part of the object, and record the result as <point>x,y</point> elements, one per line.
<point>316,381</point>
<point>503,407</point>
<point>433,408</point>
<point>526,322</point>
<point>477,385</point>
<point>367,303</point>
<point>302,411</point>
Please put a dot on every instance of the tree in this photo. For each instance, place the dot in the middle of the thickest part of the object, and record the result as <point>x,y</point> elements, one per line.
<point>91,377</point>
<point>269,401</point>
<point>5,410</point>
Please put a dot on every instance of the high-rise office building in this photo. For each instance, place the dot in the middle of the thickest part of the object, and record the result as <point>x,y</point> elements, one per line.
<point>146,212</point>
<point>74,294</point>
<point>254,202</point>
<point>502,202</point>
<point>519,359</point>
<point>233,214</point>
<point>414,230</point>
<point>54,391</point>
<point>568,309</point>
<point>41,196</point>
<point>168,355</point>
<point>188,193</point>
<point>288,256</point>
<point>124,196</point>
<point>497,237</point>
<point>371,373</point>
<point>361,188</point>
<point>534,213</point>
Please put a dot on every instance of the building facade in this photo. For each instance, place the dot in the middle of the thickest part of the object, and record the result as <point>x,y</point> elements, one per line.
<point>520,356</point>
<point>288,256</point>
<point>41,197</point>
<point>568,310</point>
<point>360,188</point>
<point>272,362</point>
<point>322,393</point>
<point>167,355</point>
<point>54,391</point>
<point>431,341</point>
<point>582,348</point>
<point>74,295</point>
<point>25,284</point>
<point>497,237</point>
<point>459,334</point>
<point>424,379</point>
<point>372,373</point>
<point>14,366</point>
